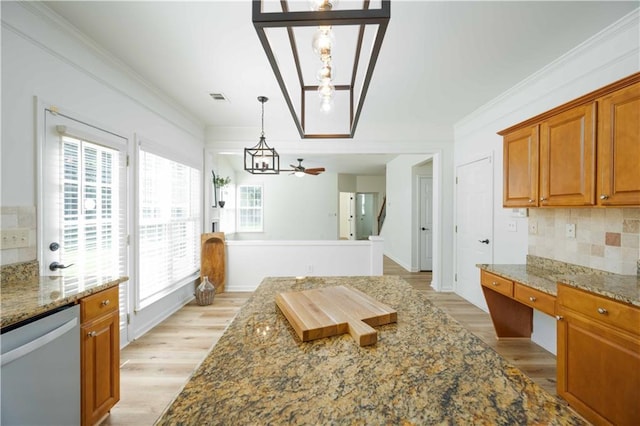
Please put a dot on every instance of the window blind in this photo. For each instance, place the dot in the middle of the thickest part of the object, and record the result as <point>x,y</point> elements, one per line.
<point>169,225</point>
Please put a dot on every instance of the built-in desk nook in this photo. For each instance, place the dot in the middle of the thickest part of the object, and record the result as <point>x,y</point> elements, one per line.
<point>598,330</point>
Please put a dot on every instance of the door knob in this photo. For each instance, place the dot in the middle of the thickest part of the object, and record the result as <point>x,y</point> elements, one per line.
<point>423,228</point>
<point>485,241</point>
<point>55,265</point>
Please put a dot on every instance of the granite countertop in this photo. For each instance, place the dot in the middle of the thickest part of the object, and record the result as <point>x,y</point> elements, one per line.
<point>27,298</point>
<point>424,369</point>
<point>544,274</point>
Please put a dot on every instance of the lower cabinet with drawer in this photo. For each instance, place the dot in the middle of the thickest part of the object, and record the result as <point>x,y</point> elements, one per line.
<point>599,357</point>
<point>100,355</point>
<point>510,318</point>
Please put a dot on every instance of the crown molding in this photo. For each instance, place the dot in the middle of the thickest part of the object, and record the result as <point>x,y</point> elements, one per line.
<point>628,21</point>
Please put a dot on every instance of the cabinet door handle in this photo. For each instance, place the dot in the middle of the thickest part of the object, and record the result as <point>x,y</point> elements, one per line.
<point>532,299</point>
<point>602,311</point>
<point>604,197</point>
<point>92,334</point>
<point>559,317</point>
<point>530,200</point>
<point>105,302</point>
<point>543,199</point>
<point>494,283</point>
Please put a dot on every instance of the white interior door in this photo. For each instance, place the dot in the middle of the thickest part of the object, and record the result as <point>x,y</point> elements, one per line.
<point>347,212</point>
<point>426,223</point>
<point>474,224</point>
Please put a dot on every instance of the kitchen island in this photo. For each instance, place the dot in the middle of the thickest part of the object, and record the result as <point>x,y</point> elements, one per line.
<point>424,369</point>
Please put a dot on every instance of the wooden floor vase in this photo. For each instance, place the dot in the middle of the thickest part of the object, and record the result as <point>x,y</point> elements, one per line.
<point>212,259</point>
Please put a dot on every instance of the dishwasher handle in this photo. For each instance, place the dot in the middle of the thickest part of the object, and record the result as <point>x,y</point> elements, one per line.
<point>35,344</point>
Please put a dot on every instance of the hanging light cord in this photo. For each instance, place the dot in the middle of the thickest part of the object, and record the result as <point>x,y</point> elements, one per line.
<point>262,134</point>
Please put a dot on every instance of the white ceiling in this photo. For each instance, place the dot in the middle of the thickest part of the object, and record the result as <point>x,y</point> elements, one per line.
<point>439,61</point>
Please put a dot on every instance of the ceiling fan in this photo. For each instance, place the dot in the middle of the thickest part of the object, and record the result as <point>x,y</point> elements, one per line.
<point>300,170</point>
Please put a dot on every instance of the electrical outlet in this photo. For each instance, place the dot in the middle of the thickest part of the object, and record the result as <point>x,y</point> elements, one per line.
<point>15,238</point>
<point>533,227</point>
<point>512,226</point>
<point>570,230</point>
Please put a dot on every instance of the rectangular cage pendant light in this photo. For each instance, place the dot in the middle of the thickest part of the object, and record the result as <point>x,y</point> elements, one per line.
<point>323,57</point>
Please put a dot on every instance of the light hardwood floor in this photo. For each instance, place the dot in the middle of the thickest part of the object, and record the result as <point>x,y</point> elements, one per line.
<point>155,367</point>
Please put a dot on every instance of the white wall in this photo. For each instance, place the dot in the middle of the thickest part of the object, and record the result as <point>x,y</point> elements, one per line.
<point>296,208</point>
<point>606,57</point>
<point>249,262</point>
<point>42,58</point>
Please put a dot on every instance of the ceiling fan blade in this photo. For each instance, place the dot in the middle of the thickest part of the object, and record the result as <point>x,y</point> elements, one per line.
<point>292,166</point>
<point>315,171</point>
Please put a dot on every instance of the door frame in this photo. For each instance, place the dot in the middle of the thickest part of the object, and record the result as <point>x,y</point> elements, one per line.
<point>40,105</point>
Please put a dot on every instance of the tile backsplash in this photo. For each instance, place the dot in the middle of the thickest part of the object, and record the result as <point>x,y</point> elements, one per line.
<point>605,238</point>
<point>23,217</point>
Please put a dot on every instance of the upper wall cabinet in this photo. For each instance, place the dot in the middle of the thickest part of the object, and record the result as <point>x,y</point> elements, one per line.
<point>583,153</point>
<point>567,158</point>
<point>619,148</point>
<point>521,168</point>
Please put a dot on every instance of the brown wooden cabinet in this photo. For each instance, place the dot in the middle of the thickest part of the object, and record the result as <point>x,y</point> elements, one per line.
<point>582,153</point>
<point>100,354</point>
<point>599,357</point>
<point>520,165</point>
<point>567,158</point>
<point>619,148</point>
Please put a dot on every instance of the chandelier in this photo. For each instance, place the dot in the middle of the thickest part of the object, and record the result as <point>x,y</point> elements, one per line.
<point>261,159</point>
<point>323,59</point>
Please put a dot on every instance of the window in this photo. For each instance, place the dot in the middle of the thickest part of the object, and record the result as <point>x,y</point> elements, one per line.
<point>169,224</point>
<point>250,208</point>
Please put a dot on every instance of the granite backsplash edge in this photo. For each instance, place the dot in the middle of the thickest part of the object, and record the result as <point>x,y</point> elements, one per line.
<point>22,271</point>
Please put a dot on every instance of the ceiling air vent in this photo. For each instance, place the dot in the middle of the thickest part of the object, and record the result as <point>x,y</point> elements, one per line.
<point>218,97</point>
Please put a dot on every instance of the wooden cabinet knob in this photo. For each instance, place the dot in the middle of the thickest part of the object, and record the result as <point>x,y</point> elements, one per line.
<point>604,197</point>
<point>532,299</point>
<point>92,334</point>
<point>602,311</point>
<point>494,283</point>
<point>105,302</point>
<point>559,317</point>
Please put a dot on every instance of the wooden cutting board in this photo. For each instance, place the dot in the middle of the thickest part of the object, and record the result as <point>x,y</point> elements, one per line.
<point>325,312</point>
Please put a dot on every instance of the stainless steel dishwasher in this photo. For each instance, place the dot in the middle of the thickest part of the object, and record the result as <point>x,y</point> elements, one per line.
<point>41,370</point>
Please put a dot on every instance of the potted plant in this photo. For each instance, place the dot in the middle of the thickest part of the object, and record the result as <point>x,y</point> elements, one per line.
<point>219,183</point>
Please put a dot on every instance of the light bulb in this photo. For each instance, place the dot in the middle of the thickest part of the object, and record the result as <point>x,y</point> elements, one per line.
<point>322,5</point>
<point>326,90</point>
<point>326,73</point>
<point>322,42</point>
<point>299,174</point>
<point>326,105</point>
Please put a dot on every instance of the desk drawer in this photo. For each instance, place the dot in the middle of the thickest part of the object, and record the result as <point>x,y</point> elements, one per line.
<point>496,283</point>
<point>536,299</point>
<point>98,304</point>
<point>599,308</point>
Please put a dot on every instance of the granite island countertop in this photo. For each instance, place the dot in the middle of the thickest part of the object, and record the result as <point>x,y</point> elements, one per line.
<point>544,274</point>
<point>23,299</point>
<point>424,369</point>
